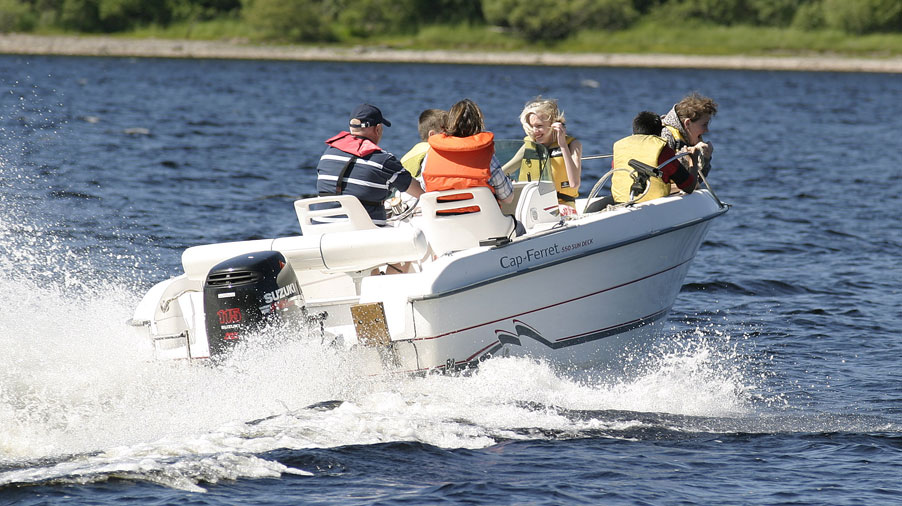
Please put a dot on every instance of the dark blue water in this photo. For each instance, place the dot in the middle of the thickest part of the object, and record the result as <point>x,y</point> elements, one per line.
<point>779,381</point>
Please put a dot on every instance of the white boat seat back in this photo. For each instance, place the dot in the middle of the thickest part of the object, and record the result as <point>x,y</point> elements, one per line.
<point>537,204</point>
<point>454,232</point>
<point>334,213</point>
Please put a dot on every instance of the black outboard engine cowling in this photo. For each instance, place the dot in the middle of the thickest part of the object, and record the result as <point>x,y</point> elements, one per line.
<point>246,293</point>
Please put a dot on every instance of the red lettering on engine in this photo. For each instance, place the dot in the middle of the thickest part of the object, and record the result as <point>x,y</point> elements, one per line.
<point>231,315</point>
<point>230,336</point>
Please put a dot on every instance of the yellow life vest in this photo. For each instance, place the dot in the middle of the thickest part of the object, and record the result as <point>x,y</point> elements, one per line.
<point>413,160</point>
<point>676,133</point>
<point>530,170</point>
<point>678,136</point>
<point>646,149</point>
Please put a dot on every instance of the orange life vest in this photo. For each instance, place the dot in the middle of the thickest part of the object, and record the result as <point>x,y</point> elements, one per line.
<point>456,163</point>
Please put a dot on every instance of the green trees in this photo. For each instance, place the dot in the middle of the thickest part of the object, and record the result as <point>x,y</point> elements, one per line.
<point>15,16</point>
<point>729,12</point>
<point>863,16</point>
<point>557,20</point>
<point>364,18</point>
<point>106,15</point>
<point>294,20</point>
<point>774,12</point>
<point>324,20</point>
<point>552,21</point>
<point>330,20</point>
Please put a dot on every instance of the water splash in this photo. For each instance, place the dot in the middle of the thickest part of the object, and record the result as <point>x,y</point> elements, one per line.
<point>81,399</point>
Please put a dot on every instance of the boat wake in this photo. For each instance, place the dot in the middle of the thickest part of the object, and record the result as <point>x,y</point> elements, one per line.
<point>81,401</point>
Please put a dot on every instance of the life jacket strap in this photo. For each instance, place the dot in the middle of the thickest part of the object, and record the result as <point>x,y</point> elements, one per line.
<point>339,184</point>
<point>565,197</point>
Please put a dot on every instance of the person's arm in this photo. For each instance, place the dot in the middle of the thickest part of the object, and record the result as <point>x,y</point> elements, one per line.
<point>401,178</point>
<point>504,189</point>
<point>706,149</point>
<point>572,155</point>
<point>514,163</point>
<point>674,172</point>
<point>414,190</point>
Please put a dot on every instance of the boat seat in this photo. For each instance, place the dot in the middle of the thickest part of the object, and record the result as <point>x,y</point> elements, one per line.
<point>537,204</point>
<point>455,232</point>
<point>334,213</point>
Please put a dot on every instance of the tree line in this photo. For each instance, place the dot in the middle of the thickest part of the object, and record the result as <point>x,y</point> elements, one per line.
<point>335,20</point>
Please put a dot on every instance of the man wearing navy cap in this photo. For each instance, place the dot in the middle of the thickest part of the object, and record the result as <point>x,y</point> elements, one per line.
<point>354,164</point>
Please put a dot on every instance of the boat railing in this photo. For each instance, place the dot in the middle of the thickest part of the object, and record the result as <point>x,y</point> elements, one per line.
<point>657,172</point>
<point>708,185</point>
<point>601,181</point>
<point>639,170</point>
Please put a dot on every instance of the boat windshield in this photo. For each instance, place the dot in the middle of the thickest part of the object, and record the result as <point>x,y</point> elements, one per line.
<point>522,162</point>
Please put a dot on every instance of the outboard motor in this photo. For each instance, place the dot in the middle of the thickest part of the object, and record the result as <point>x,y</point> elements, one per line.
<point>246,293</point>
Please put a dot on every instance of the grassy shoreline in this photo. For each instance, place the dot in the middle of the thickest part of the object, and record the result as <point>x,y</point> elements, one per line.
<point>413,52</point>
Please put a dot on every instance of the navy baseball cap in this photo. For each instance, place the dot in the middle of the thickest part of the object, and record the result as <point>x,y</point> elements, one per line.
<point>369,115</point>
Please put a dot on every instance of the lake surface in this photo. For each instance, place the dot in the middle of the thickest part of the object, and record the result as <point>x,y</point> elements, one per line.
<point>778,381</point>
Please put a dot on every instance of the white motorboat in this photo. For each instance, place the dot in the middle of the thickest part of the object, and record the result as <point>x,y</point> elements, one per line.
<point>574,290</point>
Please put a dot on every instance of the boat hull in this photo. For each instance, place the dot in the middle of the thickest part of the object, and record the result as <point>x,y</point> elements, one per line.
<point>598,306</point>
<point>590,292</point>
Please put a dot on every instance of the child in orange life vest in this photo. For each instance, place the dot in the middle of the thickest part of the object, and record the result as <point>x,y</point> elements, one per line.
<point>464,156</point>
<point>646,145</point>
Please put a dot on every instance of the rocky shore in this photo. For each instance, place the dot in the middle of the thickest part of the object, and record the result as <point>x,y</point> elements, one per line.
<point>165,48</point>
